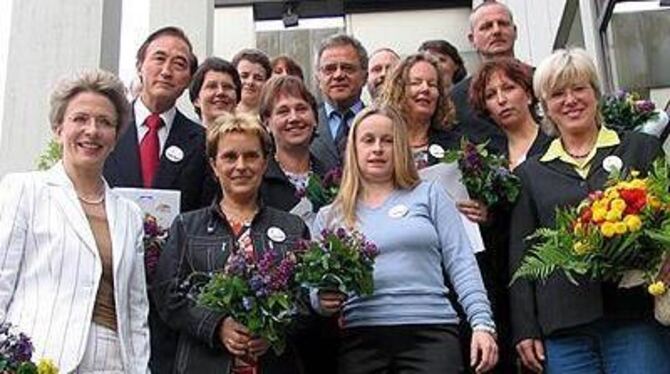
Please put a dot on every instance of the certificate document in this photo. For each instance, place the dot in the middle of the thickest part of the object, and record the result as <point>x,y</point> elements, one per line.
<point>162,204</point>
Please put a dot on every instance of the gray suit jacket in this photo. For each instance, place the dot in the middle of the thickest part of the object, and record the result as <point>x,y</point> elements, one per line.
<point>323,146</point>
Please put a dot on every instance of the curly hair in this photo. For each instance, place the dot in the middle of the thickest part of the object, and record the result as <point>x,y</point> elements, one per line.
<point>393,92</point>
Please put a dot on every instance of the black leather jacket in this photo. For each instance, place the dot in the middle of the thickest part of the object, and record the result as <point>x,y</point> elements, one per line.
<point>200,241</point>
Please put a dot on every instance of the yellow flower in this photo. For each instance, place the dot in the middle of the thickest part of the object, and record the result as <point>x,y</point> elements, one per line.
<point>599,214</point>
<point>653,202</point>
<point>618,204</point>
<point>578,228</point>
<point>620,228</point>
<point>633,222</point>
<point>614,215</point>
<point>607,229</point>
<point>46,366</point>
<point>581,248</point>
<point>634,173</point>
<point>657,288</point>
<point>638,183</point>
<point>612,193</point>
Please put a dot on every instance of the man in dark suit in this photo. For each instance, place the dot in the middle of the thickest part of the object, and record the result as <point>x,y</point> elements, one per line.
<point>341,71</point>
<point>493,34</point>
<point>161,148</point>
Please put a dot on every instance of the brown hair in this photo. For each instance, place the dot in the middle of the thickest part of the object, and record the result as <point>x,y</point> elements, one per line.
<point>284,85</point>
<point>515,70</point>
<point>255,56</point>
<point>292,66</point>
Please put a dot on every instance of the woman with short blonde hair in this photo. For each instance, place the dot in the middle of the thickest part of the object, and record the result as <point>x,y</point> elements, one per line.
<point>557,325</point>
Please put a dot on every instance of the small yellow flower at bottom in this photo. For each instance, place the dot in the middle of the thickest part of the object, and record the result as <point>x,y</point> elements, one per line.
<point>657,288</point>
<point>46,366</point>
<point>633,222</point>
<point>607,229</point>
<point>581,248</point>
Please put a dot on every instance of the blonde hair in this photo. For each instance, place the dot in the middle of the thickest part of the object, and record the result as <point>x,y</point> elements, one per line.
<point>405,175</point>
<point>562,69</point>
<point>241,123</point>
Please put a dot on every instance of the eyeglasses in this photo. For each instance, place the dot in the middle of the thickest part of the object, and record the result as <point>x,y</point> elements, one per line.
<point>82,119</point>
<point>346,68</point>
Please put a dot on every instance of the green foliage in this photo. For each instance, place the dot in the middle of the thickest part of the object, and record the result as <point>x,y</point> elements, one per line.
<point>51,155</point>
<point>338,262</point>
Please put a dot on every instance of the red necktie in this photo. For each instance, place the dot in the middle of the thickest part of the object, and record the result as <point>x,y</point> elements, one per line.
<point>149,149</point>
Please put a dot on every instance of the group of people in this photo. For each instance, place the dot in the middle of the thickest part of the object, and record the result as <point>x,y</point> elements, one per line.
<point>72,275</point>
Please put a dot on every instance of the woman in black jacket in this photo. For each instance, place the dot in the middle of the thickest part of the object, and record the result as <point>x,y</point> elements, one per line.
<point>593,327</point>
<point>202,241</point>
<point>288,110</point>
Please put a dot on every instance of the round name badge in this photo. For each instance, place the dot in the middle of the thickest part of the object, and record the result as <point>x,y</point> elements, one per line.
<point>174,153</point>
<point>436,150</point>
<point>398,211</point>
<point>612,163</point>
<point>276,234</point>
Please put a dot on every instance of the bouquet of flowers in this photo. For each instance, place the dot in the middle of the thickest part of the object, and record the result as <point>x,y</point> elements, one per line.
<point>155,237</point>
<point>486,176</point>
<point>627,111</point>
<point>624,228</point>
<point>258,294</point>
<point>16,351</point>
<point>339,261</point>
<point>322,192</point>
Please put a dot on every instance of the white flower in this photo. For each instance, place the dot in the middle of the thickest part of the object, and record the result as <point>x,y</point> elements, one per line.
<point>612,164</point>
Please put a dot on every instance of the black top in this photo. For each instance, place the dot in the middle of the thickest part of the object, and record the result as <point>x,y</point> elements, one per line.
<point>277,191</point>
<point>542,309</point>
<point>201,241</point>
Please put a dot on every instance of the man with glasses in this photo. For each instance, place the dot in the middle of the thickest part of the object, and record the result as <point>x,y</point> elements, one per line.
<point>341,71</point>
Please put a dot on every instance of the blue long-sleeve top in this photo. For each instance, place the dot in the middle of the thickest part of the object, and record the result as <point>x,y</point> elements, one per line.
<point>419,233</point>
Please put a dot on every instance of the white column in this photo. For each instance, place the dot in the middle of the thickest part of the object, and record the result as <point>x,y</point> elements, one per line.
<point>40,41</point>
<point>196,18</point>
<point>234,29</point>
<point>592,39</point>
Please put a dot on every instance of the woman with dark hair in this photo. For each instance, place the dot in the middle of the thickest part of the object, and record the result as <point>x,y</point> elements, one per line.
<point>502,90</point>
<point>284,65</point>
<point>215,89</point>
<point>254,68</point>
<point>448,58</point>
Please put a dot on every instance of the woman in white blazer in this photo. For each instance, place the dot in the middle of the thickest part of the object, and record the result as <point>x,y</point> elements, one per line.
<point>71,253</point>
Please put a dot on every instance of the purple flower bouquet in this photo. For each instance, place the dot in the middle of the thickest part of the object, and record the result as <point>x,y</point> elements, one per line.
<point>486,176</point>
<point>339,261</point>
<point>626,111</point>
<point>155,237</point>
<point>259,294</point>
<point>16,351</point>
<point>322,192</point>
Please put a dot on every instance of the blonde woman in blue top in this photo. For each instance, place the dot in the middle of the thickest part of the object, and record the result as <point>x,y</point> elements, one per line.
<point>407,324</point>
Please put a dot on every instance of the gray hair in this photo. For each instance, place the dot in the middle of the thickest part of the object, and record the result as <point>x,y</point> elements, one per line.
<point>486,3</point>
<point>561,69</point>
<point>339,40</point>
<point>96,81</point>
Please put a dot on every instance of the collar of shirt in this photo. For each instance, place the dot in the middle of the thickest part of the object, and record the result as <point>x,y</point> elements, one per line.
<point>333,115</point>
<point>606,138</point>
<point>141,113</point>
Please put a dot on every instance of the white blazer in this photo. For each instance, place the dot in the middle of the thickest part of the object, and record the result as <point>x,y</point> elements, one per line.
<point>50,268</point>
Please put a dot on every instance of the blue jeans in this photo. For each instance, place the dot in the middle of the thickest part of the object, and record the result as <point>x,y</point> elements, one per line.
<point>611,347</point>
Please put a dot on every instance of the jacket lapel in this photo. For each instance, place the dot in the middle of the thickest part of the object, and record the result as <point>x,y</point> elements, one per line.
<point>118,229</point>
<point>180,136</point>
<point>66,199</point>
<point>323,135</point>
<point>127,158</point>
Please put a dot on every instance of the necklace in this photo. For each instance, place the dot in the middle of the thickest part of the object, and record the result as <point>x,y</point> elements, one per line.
<point>95,201</point>
<point>577,156</point>
<point>238,217</point>
<point>286,171</point>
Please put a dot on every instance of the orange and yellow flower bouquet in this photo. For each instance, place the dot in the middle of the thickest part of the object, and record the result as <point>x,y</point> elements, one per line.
<point>617,235</point>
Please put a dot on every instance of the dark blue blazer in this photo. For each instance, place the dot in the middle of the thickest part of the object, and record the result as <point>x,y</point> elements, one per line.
<point>122,168</point>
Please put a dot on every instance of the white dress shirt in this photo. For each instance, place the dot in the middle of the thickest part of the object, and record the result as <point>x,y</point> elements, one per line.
<point>141,114</point>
